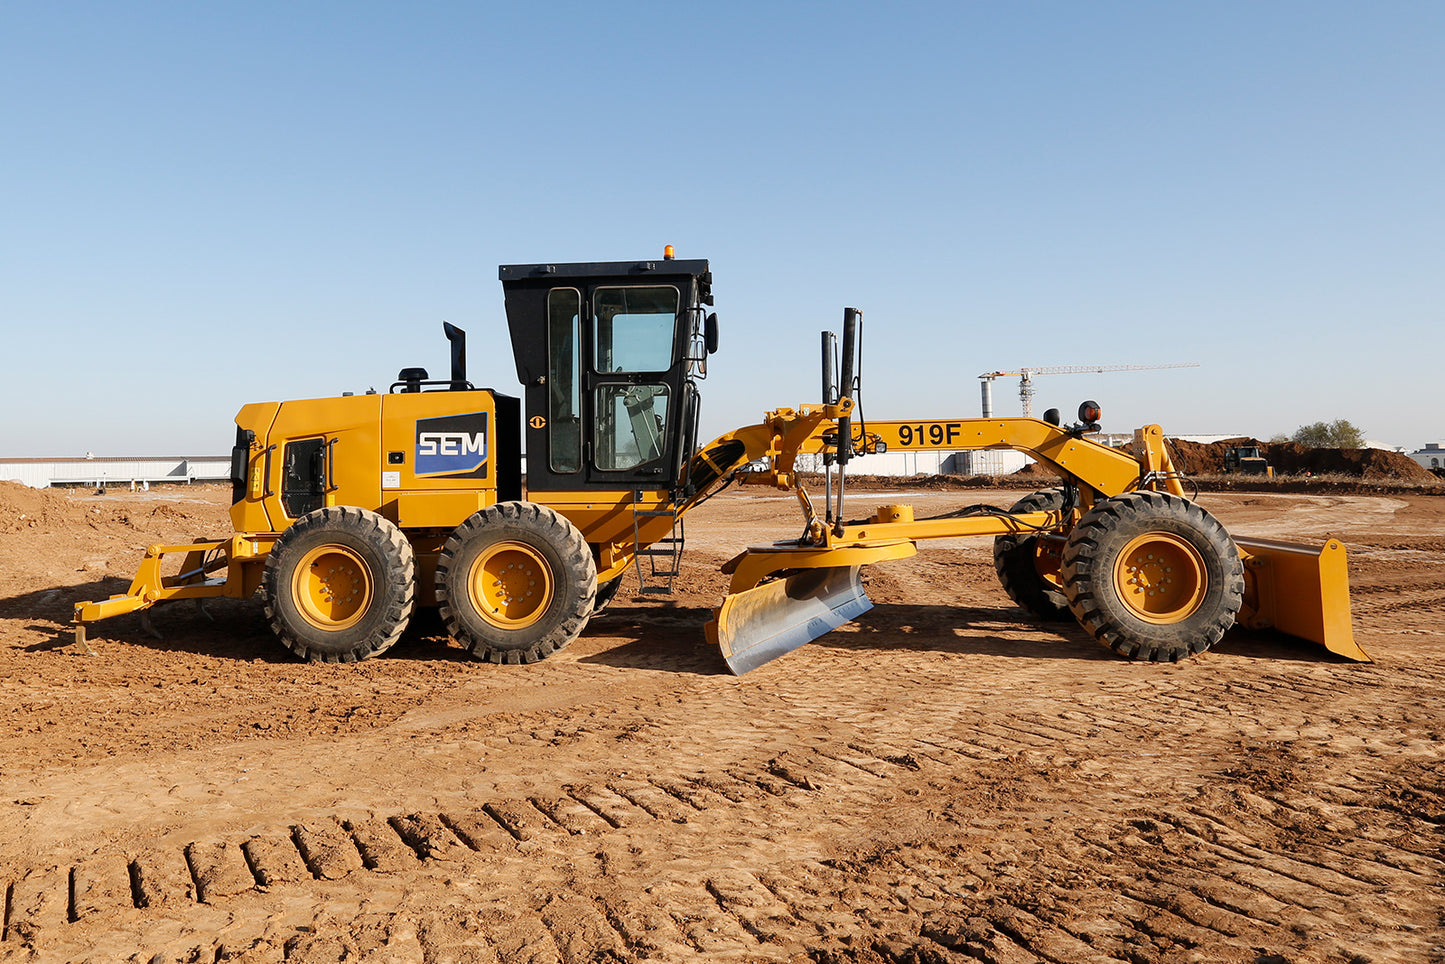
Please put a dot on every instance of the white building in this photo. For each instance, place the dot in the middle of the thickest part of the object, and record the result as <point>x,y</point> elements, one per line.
<point>99,471</point>
<point>902,462</point>
<point>1432,456</point>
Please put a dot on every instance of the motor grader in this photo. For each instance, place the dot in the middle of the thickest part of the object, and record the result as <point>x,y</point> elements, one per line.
<point>349,512</point>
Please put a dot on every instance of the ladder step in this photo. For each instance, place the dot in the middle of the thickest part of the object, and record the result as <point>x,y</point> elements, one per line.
<point>667,550</point>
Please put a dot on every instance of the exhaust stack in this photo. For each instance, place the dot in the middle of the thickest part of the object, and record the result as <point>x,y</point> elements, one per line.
<point>458,339</point>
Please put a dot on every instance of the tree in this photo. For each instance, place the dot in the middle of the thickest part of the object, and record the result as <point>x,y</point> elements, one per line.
<point>1339,434</point>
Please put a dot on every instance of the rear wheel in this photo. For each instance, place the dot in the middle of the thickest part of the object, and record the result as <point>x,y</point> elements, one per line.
<point>516,582</point>
<point>1028,563</point>
<point>1153,576</point>
<point>340,585</point>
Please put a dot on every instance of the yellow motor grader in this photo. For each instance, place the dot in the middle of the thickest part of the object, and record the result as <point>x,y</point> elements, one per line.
<point>349,512</point>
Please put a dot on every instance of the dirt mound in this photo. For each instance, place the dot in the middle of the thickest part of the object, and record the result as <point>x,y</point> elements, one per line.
<point>1204,458</point>
<point>22,507</point>
<point>1291,458</point>
<point>113,529</point>
<point>59,510</point>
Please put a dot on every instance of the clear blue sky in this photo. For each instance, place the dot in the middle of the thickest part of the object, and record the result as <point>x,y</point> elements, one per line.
<point>210,204</point>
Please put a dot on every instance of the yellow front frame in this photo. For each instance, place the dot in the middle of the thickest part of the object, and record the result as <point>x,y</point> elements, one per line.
<point>243,556</point>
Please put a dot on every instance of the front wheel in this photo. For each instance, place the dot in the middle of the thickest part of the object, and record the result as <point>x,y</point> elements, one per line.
<point>1153,576</point>
<point>1027,563</point>
<point>340,585</point>
<point>516,582</point>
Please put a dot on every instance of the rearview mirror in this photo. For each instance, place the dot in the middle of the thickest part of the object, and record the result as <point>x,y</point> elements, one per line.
<point>709,337</point>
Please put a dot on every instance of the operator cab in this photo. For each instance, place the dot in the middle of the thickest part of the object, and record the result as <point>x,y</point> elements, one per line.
<point>609,354</point>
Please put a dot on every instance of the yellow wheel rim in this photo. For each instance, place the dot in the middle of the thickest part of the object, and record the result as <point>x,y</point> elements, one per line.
<point>1161,578</point>
<point>1048,563</point>
<point>511,585</point>
<point>332,587</point>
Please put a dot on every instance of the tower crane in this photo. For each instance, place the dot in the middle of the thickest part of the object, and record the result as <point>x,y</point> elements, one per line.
<point>1026,380</point>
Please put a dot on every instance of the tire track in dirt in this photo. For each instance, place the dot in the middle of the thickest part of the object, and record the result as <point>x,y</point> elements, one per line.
<point>1210,887</point>
<point>211,872</point>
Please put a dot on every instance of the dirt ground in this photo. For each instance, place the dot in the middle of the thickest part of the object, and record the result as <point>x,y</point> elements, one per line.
<point>943,780</point>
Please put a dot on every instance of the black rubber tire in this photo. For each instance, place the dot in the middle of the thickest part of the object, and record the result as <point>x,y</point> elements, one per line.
<point>606,592</point>
<point>1110,542</point>
<point>378,557</point>
<point>1016,558</point>
<point>540,536</point>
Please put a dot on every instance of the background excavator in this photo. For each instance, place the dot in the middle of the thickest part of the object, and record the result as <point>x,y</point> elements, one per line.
<point>349,512</point>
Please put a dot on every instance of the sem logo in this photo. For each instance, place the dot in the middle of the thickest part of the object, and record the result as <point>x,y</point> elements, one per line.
<point>452,446</point>
<point>451,443</point>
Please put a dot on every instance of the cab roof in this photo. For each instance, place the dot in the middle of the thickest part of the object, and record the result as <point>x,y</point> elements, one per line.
<point>603,270</point>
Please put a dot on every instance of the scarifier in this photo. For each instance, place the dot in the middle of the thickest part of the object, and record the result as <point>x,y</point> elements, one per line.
<point>349,512</point>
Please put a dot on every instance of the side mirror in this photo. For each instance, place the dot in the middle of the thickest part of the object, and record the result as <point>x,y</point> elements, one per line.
<point>709,337</point>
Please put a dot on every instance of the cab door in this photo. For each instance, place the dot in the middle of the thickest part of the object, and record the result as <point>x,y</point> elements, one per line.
<point>631,384</point>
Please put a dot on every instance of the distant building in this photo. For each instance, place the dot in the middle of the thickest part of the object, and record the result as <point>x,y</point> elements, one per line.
<point>1432,456</point>
<point>98,471</point>
<point>974,462</point>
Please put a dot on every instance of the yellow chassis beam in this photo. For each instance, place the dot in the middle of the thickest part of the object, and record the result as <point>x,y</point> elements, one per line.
<point>752,566</point>
<point>239,555</point>
<point>882,530</point>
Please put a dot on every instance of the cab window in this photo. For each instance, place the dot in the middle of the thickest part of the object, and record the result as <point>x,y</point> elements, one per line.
<point>635,328</point>
<point>564,389</point>
<point>631,425</point>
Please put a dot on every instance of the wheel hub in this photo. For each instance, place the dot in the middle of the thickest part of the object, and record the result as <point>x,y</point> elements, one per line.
<point>1161,577</point>
<point>332,587</point>
<point>511,585</point>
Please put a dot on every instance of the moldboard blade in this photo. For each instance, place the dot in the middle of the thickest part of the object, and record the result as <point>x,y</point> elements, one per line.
<point>1301,590</point>
<point>760,624</point>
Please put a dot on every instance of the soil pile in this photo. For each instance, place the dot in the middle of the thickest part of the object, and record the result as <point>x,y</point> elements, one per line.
<point>114,529</point>
<point>60,511</point>
<point>22,507</point>
<point>1291,458</point>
